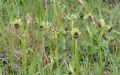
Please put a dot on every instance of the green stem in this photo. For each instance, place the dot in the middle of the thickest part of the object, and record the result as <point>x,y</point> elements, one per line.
<point>75,54</point>
<point>24,55</point>
<point>56,51</point>
<point>23,46</point>
<point>51,53</point>
<point>100,51</point>
<point>76,59</point>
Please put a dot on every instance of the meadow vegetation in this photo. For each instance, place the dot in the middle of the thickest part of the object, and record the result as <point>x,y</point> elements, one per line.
<point>59,37</point>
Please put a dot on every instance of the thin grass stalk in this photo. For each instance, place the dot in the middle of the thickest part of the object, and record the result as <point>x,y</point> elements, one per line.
<point>91,39</point>
<point>51,54</point>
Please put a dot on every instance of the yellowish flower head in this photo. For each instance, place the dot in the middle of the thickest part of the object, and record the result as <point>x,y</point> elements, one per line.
<point>102,22</point>
<point>88,16</point>
<point>108,27</point>
<point>17,21</point>
<point>103,25</point>
<point>75,32</point>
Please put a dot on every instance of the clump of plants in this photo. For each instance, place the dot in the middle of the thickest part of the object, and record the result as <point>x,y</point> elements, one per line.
<point>65,37</point>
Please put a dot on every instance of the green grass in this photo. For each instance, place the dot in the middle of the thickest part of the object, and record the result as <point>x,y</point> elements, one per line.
<point>59,37</point>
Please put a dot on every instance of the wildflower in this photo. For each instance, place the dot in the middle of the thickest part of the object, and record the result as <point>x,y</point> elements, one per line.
<point>3,58</point>
<point>46,4</point>
<point>72,16</point>
<point>28,19</point>
<point>66,30</point>
<point>75,32</point>
<point>81,2</point>
<point>17,22</point>
<point>98,25</point>
<point>16,25</point>
<point>64,16</point>
<point>110,29</point>
<point>102,23</point>
<point>36,20</point>
<point>89,17</point>
<point>43,26</point>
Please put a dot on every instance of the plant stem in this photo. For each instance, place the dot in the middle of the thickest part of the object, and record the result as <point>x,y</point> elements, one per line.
<point>100,51</point>
<point>76,58</point>
<point>23,46</point>
<point>24,55</point>
<point>56,51</point>
<point>75,54</point>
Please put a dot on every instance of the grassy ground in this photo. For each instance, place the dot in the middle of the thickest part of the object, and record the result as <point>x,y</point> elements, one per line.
<point>59,37</point>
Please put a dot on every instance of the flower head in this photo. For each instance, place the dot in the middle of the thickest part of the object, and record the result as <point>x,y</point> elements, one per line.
<point>102,23</point>
<point>17,22</point>
<point>28,18</point>
<point>75,32</point>
<point>89,17</point>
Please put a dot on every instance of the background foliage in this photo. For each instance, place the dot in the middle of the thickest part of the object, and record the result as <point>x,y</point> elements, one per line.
<point>59,37</point>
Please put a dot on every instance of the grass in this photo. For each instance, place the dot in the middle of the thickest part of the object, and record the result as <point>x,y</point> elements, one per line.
<point>59,37</point>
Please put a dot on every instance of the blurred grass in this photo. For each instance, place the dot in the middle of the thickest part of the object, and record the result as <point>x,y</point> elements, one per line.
<point>36,39</point>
